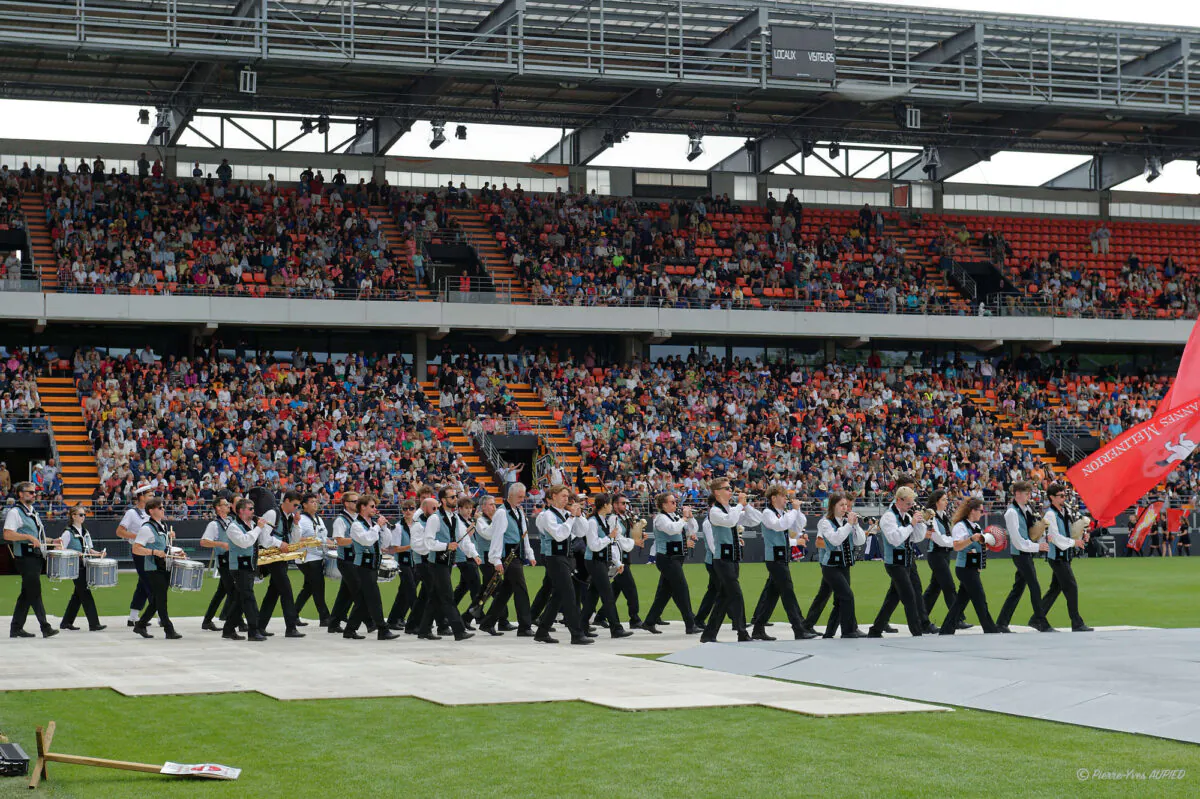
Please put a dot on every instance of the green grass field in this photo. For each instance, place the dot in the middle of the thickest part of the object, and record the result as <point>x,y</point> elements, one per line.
<point>384,747</point>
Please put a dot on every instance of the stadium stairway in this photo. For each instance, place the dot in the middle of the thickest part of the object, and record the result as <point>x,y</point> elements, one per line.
<point>39,240</point>
<point>464,447</point>
<point>1031,440</point>
<point>553,436</point>
<point>398,246</point>
<point>491,253</point>
<point>60,399</point>
<point>919,262</point>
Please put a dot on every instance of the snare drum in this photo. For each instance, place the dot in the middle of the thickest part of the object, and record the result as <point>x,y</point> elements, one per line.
<point>388,568</point>
<point>187,575</point>
<point>101,572</point>
<point>62,565</point>
<point>332,572</point>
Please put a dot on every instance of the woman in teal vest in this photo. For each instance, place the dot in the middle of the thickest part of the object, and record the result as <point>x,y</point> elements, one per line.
<point>970,542</point>
<point>838,534</point>
<point>77,538</point>
<point>152,545</point>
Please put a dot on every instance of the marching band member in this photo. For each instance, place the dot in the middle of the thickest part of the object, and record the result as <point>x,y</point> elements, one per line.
<point>370,535</point>
<point>841,533</point>
<point>712,588</point>
<point>348,590</point>
<point>466,557</point>
<point>939,554</point>
<point>726,557</point>
<point>25,534</point>
<point>510,540</point>
<point>212,540</point>
<point>442,536</point>
<point>557,525</point>
<point>1019,519</point>
<point>77,538</point>
<point>152,544</point>
<point>624,584</point>
<point>406,591</point>
<point>311,525</point>
<point>601,536</point>
<point>1059,553</point>
<point>241,536</point>
<point>673,535</point>
<point>280,533</point>
<point>899,530</point>
<point>128,529</point>
<point>485,528</point>
<point>421,561</point>
<point>777,524</point>
<point>970,544</point>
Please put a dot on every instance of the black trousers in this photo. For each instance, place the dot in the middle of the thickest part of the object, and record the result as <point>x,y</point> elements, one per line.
<point>1026,577</point>
<point>469,583</point>
<point>142,592</point>
<point>279,590</point>
<point>81,598</point>
<point>314,588</point>
<point>347,591</point>
<point>778,588</point>
<point>242,602</point>
<point>671,585</point>
<point>729,598</point>
<point>221,594</point>
<point>513,587</point>
<point>970,589</point>
<point>542,597</point>
<point>441,600</point>
<point>905,590</point>
<point>711,591</point>
<point>157,582</point>
<point>1063,582</point>
<point>561,596</point>
<point>368,605</point>
<point>486,570</point>
<point>941,583</point>
<point>30,598</point>
<point>598,570</point>
<point>624,585</point>
<point>820,600</point>
<point>837,579</point>
<point>406,593</point>
<point>421,605</point>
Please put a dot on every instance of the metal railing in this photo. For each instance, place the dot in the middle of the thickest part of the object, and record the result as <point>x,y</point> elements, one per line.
<point>1063,434</point>
<point>965,282</point>
<point>474,289</point>
<point>24,424</point>
<point>492,455</point>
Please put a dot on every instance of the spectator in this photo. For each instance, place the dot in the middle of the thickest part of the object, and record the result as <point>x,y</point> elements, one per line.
<point>1100,239</point>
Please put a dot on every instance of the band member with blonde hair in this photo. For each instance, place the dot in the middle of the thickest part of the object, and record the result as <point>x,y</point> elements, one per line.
<point>1019,519</point>
<point>674,534</point>
<point>211,539</point>
<point>406,591</point>
<point>348,590</point>
<point>899,530</point>
<point>841,533</point>
<point>558,525</point>
<point>153,544</point>
<point>466,558</point>
<point>371,535</point>
<point>77,539</point>
<point>601,537</point>
<point>242,535</point>
<point>970,542</point>
<point>778,523</point>
<point>311,525</point>
<point>939,555</point>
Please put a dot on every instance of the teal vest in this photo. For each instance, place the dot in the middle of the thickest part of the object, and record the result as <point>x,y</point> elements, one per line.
<point>624,531</point>
<point>944,529</point>
<point>551,547</point>
<point>606,553</point>
<point>663,541</point>
<point>79,539</point>
<point>161,541</point>
<point>974,556</point>
<point>241,558</point>
<point>1053,552</point>
<point>346,553</point>
<point>222,526</point>
<point>775,542</point>
<point>893,555</point>
<point>725,542</point>
<point>31,524</point>
<point>366,556</point>
<point>516,526</point>
<point>445,534</point>
<point>838,556</point>
<point>1022,530</point>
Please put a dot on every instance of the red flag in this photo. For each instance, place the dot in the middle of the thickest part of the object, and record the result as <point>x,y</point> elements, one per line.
<point>1141,528</point>
<point>1121,472</point>
<point>1174,517</point>
<point>1187,379</point>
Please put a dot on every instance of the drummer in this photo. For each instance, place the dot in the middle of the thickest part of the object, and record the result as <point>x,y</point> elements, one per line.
<point>76,538</point>
<point>153,545</point>
<point>24,533</point>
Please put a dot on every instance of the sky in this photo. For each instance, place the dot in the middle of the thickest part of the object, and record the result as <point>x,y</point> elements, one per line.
<point>76,122</point>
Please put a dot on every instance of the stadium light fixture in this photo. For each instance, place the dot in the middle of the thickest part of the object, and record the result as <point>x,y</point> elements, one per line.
<point>695,146</point>
<point>144,116</point>
<point>439,134</point>
<point>806,148</point>
<point>1153,168</point>
<point>323,123</point>
<point>931,159</point>
<point>461,132</point>
<point>306,126</point>
<point>834,149</point>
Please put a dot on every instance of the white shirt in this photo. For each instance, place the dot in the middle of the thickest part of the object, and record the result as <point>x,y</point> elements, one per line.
<point>706,528</point>
<point>308,529</point>
<point>623,543</point>
<point>462,534</point>
<point>961,532</point>
<point>896,534</point>
<point>416,536</point>
<point>433,524</point>
<point>937,537</point>
<point>498,527</point>
<point>133,520</point>
<point>665,524</point>
<point>485,527</point>
<point>13,520</point>
<point>71,532</point>
<point>363,535</point>
<point>212,532</point>
<point>1012,520</point>
<point>240,537</point>
<point>1058,539</point>
<point>548,524</point>
<point>145,536</point>
<point>737,514</point>
<point>834,534</point>
<point>792,520</point>
<point>597,539</point>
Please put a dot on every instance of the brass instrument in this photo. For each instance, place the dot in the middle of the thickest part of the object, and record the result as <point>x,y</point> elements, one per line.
<point>475,611</point>
<point>296,551</point>
<point>927,514</point>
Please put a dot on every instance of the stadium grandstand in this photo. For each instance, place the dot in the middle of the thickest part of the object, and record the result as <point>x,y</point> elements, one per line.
<point>763,260</point>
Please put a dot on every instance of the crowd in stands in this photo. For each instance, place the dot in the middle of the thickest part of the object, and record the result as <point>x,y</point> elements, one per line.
<point>200,425</point>
<point>20,406</point>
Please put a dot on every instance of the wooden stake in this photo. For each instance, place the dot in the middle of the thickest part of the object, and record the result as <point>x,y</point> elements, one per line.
<point>46,736</point>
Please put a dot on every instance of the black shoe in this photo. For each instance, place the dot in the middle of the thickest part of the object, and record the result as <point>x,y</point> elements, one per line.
<point>946,630</point>
<point>171,635</point>
<point>370,629</point>
<point>804,634</point>
<point>761,635</point>
<point>301,623</point>
<point>64,626</point>
<point>580,640</point>
<point>875,633</point>
<point>962,625</point>
<point>398,626</point>
<point>545,638</point>
<point>931,629</point>
<point>267,634</point>
<point>650,628</point>
<point>387,635</point>
<point>293,633</point>
<point>854,634</point>
<point>506,626</point>
<point>97,628</point>
<point>142,631</point>
<point>589,634</point>
<point>708,639</point>
<point>323,623</point>
<point>525,634</point>
<point>20,634</point>
<point>353,635</point>
<point>1003,628</point>
<point>768,624</point>
<point>208,625</point>
<point>551,629</point>
<point>443,631</point>
<point>242,627</point>
<point>635,624</point>
<point>887,628</point>
<point>232,636</point>
<point>811,629</point>
<point>663,623</point>
<point>410,630</point>
<point>744,636</point>
<point>335,628</point>
<point>701,623</point>
<point>602,623</point>
<point>130,623</point>
<point>464,635</point>
<point>1046,628</point>
<point>468,626</point>
<point>1080,628</point>
<point>830,635</point>
<point>256,637</point>
<point>490,630</point>
<point>693,631</point>
<point>429,636</point>
<point>618,632</point>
